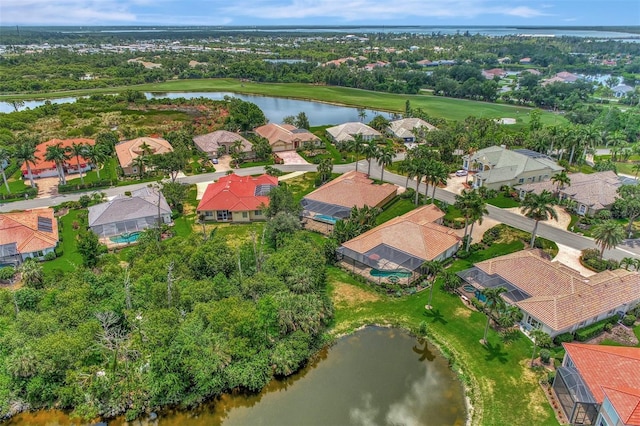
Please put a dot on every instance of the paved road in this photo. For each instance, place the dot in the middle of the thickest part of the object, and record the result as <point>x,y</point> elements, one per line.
<point>630,248</point>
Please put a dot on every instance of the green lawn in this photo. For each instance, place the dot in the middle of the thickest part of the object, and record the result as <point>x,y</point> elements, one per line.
<point>504,390</point>
<point>70,259</point>
<point>503,201</point>
<point>453,109</point>
<point>16,185</point>
<point>396,207</point>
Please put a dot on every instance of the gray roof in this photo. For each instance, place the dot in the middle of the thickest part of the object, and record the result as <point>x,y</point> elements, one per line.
<point>507,165</point>
<point>345,132</point>
<point>622,88</point>
<point>141,203</point>
<point>210,142</point>
<point>404,128</point>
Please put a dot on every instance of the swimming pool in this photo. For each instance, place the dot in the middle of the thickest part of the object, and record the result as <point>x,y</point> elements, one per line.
<point>324,218</point>
<point>400,273</point>
<point>125,238</point>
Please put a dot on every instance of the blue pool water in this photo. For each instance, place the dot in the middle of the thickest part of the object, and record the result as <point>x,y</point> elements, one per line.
<point>325,218</point>
<point>125,238</point>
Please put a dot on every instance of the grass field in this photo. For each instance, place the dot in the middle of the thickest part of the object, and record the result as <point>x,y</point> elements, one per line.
<point>454,109</point>
<point>16,184</point>
<point>70,260</point>
<point>396,207</point>
<point>497,373</point>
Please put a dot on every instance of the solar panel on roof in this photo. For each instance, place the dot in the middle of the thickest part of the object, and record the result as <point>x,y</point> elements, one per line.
<point>45,224</point>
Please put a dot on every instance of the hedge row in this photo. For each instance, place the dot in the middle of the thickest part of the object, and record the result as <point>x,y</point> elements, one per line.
<point>30,193</point>
<point>594,329</point>
<point>71,187</point>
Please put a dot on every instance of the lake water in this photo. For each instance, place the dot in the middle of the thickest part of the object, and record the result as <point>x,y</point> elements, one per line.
<point>377,376</point>
<point>275,109</point>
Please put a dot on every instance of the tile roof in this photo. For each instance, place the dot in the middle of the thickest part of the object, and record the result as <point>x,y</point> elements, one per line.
<point>626,402</point>
<point>404,128</point>
<point>413,233</point>
<point>353,189</point>
<point>346,131</point>
<point>41,150</point>
<point>142,203</point>
<point>236,193</point>
<point>507,165</point>
<point>286,133</point>
<point>614,367</point>
<point>127,151</point>
<point>210,142</point>
<point>560,296</point>
<point>21,228</point>
<point>596,190</point>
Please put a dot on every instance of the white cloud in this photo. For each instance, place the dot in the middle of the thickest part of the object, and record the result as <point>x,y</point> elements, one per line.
<point>69,12</point>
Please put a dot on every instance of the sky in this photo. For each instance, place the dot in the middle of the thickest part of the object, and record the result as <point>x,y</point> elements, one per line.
<point>321,12</point>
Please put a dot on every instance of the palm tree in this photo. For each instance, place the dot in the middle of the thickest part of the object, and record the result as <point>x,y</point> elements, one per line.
<point>5,157</point>
<point>626,262</point>
<point>608,235</point>
<point>636,169</point>
<point>464,202</point>
<point>416,170</point>
<point>494,302</point>
<point>433,268</point>
<point>97,155</point>
<point>31,271</point>
<point>539,338</point>
<point>58,155</point>
<point>369,150</point>
<point>477,210</point>
<point>26,153</point>
<point>439,176</point>
<point>356,145</point>
<point>561,180</point>
<point>78,150</point>
<point>539,207</point>
<point>140,162</point>
<point>385,158</point>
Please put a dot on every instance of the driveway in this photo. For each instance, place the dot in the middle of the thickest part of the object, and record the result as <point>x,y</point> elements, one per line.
<point>291,157</point>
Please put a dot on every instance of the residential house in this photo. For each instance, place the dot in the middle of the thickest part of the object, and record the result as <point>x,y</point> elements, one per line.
<point>552,296</point>
<point>494,72</point>
<point>335,199</point>
<point>532,71</point>
<point>405,128</point>
<point>599,385</point>
<point>424,63</point>
<point>220,142</point>
<point>621,90</point>
<point>285,137</point>
<point>404,242</point>
<point>236,198</point>
<point>27,234</point>
<point>505,60</point>
<point>567,77</point>
<point>345,132</point>
<point>525,61</point>
<point>591,192</point>
<point>125,214</point>
<point>43,168</point>
<point>497,166</point>
<point>128,151</point>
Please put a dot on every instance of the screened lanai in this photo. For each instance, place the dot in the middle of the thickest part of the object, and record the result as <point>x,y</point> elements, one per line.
<point>481,280</point>
<point>384,257</point>
<point>578,403</point>
<point>319,210</point>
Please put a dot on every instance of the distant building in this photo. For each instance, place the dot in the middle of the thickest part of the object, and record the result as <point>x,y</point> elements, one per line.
<point>220,142</point>
<point>621,90</point>
<point>525,61</point>
<point>128,151</point>
<point>404,129</point>
<point>346,131</point>
<point>285,137</point>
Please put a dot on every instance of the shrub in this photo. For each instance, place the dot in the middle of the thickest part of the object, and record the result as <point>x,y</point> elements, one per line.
<point>409,194</point>
<point>608,327</point>
<point>628,320</point>
<point>7,273</point>
<point>90,185</point>
<point>593,330</point>
<point>545,356</point>
<point>463,254</point>
<point>50,256</point>
<point>563,338</point>
<point>591,259</point>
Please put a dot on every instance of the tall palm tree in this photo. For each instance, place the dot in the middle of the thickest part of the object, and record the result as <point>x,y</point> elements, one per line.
<point>539,207</point>
<point>5,156</point>
<point>561,180</point>
<point>464,202</point>
<point>140,162</point>
<point>356,145</point>
<point>477,210</point>
<point>416,170</point>
<point>539,338</point>
<point>58,155</point>
<point>433,268</point>
<point>608,235</point>
<point>369,150</point>
<point>626,262</point>
<point>97,155</point>
<point>493,302</point>
<point>439,176</point>
<point>78,150</point>
<point>385,158</point>
<point>26,153</point>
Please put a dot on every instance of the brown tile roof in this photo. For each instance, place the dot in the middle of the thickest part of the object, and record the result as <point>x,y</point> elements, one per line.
<point>22,228</point>
<point>626,402</point>
<point>616,367</point>
<point>210,142</point>
<point>286,133</point>
<point>41,150</point>
<point>353,189</point>
<point>560,296</point>
<point>413,233</point>
<point>127,151</point>
<point>236,193</point>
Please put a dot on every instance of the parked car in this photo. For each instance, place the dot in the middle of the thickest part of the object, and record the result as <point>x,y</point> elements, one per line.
<point>214,160</point>
<point>462,173</point>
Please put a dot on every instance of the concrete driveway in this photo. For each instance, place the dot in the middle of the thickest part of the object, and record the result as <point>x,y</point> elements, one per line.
<point>291,157</point>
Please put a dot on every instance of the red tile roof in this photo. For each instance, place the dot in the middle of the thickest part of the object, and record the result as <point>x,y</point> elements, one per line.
<point>41,151</point>
<point>616,367</point>
<point>22,228</point>
<point>626,402</point>
<point>236,193</point>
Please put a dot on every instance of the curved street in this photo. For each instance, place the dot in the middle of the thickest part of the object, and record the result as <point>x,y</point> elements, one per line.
<point>630,248</point>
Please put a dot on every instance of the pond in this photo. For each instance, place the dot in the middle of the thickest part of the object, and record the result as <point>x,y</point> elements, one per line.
<point>377,376</point>
<point>275,109</point>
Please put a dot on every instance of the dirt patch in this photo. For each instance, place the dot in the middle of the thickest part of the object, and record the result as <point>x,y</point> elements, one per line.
<point>349,295</point>
<point>535,399</point>
<point>462,312</point>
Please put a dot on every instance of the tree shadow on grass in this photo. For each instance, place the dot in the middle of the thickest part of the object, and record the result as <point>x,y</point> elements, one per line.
<point>495,352</point>
<point>436,316</point>
<point>510,336</point>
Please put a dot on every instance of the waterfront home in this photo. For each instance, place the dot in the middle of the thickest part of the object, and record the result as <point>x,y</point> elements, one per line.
<point>129,151</point>
<point>236,198</point>
<point>43,168</point>
<point>346,131</point>
<point>407,128</point>
<point>27,234</point>
<point>220,142</point>
<point>285,137</point>
<point>621,90</point>
<point>553,297</point>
